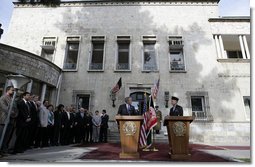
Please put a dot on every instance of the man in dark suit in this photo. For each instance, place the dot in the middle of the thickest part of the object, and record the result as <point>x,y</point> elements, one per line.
<point>23,120</point>
<point>88,126</point>
<point>79,126</point>
<point>127,108</point>
<point>65,126</point>
<point>33,124</point>
<point>104,127</point>
<point>176,110</point>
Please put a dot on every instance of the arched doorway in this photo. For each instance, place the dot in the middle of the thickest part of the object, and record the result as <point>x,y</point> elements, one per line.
<point>138,100</point>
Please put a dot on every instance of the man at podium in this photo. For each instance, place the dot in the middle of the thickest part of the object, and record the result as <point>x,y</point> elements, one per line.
<point>176,110</point>
<point>127,108</point>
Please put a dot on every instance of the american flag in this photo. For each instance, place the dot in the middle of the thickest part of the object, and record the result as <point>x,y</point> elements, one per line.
<point>117,87</point>
<point>143,135</point>
<point>155,90</point>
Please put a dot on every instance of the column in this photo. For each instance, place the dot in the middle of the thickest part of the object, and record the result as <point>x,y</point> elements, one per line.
<point>43,92</point>
<point>242,47</point>
<point>246,47</point>
<point>29,86</point>
<point>217,46</point>
<point>222,47</point>
<point>7,83</point>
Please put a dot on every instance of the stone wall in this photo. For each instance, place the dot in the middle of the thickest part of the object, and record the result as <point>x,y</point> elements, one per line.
<point>17,61</point>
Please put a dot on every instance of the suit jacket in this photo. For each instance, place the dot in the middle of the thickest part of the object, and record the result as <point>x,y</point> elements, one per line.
<point>57,118</point>
<point>79,120</point>
<point>123,110</point>
<point>177,112</point>
<point>104,121</point>
<point>64,120</point>
<point>33,113</point>
<point>88,121</point>
<point>23,115</point>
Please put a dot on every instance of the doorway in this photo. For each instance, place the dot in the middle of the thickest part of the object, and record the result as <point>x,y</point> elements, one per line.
<point>138,100</point>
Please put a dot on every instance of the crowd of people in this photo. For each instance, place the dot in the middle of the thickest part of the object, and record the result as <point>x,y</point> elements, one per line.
<point>36,124</point>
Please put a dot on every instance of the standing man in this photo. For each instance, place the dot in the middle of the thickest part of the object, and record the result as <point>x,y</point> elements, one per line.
<point>43,117</point>
<point>57,123</point>
<point>176,110</point>
<point>88,126</point>
<point>104,127</point>
<point>96,120</point>
<point>79,126</point>
<point>157,128</point>
<point>127,108</point>
<point>34,119</point>
<point>23,120</point>
<point>5,102</point>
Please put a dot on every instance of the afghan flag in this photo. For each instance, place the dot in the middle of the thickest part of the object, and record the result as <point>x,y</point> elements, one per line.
<point>117,87</point>
<point>151,122</point>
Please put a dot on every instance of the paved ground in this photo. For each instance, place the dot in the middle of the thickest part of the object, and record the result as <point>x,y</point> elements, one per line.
<point>73,154</point>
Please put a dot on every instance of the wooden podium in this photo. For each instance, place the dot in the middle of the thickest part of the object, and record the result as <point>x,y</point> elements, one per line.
<point>129,127</point>
<point>178,136</point>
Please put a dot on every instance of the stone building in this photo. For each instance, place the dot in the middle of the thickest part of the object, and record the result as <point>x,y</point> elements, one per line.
<point>200,57</point>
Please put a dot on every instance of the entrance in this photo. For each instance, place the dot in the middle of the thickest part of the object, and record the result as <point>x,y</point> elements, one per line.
<point>83,101</point>
<point>138,100</point>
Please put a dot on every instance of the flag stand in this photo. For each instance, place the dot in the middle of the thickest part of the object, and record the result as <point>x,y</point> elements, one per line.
<point>154,148</point>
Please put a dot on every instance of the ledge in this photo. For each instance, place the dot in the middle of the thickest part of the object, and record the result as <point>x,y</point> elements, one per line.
<point>119,2</point>
<point>230,19</point>
<point>173,71</point>
<point>233,60</point>
<point>95,70</point>
<point>70,70</point>
<point>124,71</point>
<point>145,71</point>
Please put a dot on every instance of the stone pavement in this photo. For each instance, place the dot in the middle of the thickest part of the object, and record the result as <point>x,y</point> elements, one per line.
<point>74,154</point>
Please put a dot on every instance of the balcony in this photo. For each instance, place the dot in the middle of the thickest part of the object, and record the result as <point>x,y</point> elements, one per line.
<point>123,66</point>
<point>96,66</point>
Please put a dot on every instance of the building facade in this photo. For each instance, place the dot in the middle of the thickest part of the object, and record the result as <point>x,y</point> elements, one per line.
<point>200,57</point>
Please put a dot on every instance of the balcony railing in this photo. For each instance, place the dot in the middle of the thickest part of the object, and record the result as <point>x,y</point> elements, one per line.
<point>70,66</point>
<point>176,66</point>
<point>122,66</point>
<point>202,116</point>
<point>96,66</point>
<point>149,67</point>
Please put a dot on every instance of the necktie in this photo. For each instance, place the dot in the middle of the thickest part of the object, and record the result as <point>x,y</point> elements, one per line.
<point>129,109</point>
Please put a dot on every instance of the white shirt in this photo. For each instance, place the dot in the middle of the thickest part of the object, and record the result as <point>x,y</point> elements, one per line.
<point>68,115</point>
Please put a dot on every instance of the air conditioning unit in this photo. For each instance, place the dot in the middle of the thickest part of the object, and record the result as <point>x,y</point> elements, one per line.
<point>175,42</point>
<point>49,43</point>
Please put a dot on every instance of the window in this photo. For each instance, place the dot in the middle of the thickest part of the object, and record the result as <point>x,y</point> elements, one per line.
<point>123,53</point>
<point>48,48</point>
<point>197,103</point>
<point>97,57</point>
<point>176,53</point>
<point>199,106</point>
<point>247,106</point>
<point>149,53</point>
<point>234,54</point>
<point>72,53</point>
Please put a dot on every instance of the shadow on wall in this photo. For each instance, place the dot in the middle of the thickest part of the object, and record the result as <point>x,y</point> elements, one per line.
<point>201,76</point>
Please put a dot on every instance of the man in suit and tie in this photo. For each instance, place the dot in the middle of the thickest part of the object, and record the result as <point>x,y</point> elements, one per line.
<point>103,127</point>
<point>23,120</point>
<point>79,126</point>
<point>127,108</point>
<point>176,110</point>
